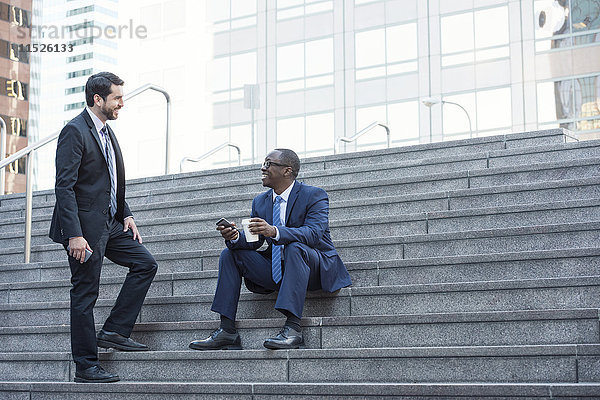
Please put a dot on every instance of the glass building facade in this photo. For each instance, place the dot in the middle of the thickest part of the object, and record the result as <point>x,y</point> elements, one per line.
<point>328,68</point>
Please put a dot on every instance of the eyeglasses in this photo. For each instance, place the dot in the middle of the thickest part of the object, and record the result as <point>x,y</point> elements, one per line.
<point>267,164</point>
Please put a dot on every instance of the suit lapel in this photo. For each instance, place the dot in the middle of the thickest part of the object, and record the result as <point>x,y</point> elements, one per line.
<point>269,207</point>
<point>90,123</point>
<point>291,201</point>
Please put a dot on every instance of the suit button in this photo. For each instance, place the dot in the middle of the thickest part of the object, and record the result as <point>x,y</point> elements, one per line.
<point>104,211</point>
<point>108,192</point>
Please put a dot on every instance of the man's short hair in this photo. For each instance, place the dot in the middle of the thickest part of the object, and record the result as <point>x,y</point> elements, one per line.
<point>289,157</point>
<point>100,84</point>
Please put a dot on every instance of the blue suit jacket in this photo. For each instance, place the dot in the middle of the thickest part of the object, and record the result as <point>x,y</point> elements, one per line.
<point>306,221</point>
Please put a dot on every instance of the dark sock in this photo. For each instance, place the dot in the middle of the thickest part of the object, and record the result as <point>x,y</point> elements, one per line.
<point>293,322</point>
<point>228,325</point>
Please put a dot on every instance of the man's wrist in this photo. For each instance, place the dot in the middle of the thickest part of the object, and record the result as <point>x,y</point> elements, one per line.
<point>126,218</point>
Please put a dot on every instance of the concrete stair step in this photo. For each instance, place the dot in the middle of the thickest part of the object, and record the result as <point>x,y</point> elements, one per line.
<point>501,364</point>
<point>545,192</point>
<point>176,187</point>
<point>358,184</point>
<point>544,237</point>
<point>508,295</point>
<point>518,142</point>
<point>300,391</point>
<point>572,211</point>
<point>185,275</point>
<point>424,330</point>
<point>506,266</point>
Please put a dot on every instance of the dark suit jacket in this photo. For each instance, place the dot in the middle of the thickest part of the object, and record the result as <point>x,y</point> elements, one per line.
<point>306,221</point>
<point>83,183</point>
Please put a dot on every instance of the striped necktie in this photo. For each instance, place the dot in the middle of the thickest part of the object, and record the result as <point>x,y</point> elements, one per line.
<point>276,249</point>
<point>110,163</point>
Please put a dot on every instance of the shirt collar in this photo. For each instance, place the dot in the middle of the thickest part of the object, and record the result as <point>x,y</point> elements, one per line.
<point>97,123</point>
<point>286,193</point>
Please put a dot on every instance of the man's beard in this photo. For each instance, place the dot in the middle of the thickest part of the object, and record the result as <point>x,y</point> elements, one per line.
<point>109,114</point>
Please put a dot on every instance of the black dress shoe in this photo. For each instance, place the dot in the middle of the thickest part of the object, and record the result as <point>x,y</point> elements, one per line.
<point>287,338</point>
<point>95,374</point>
<point>218,340</point>
<point>112,339</point>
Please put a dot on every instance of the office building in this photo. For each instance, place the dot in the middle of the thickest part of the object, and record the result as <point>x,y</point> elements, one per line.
<point>15,21</point>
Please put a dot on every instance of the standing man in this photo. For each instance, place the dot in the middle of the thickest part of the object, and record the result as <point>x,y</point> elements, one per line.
<point>91,216</point>
<point>293,218</point>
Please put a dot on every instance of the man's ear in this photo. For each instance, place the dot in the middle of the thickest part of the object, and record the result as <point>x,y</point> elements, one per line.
<point>97,98</point>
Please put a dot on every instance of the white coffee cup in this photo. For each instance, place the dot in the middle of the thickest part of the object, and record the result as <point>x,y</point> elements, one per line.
<point>249,236</point>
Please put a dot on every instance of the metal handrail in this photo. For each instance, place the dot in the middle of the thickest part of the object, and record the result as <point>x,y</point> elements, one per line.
<point>150,86</point>
<point>362,132</point>
<point>28,153</point>
<point>210,153</point>
<point>2,154</point>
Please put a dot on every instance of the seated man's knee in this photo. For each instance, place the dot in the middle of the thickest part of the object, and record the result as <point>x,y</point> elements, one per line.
<point>294,249</point>
<point>226,253</point>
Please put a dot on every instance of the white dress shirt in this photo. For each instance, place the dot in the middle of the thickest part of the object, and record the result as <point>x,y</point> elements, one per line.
<point>99,125</point>
<point>282,209</point>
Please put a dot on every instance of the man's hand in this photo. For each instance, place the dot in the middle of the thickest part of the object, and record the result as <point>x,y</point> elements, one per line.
<point>77,246</point>
<point>129,223</point>
<point>228,233</point>
<point>259,226</point>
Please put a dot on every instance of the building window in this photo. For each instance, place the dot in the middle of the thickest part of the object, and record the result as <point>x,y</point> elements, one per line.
<point>401,117</point>
<point>80,57</point>
<point>566,23</point>
<point>237,134</point>
<point>13,88</point>
<point>475,36</point>
<point>230,74</point>
<point>15,126</point>
<point>13,52</point>
<point>73,90</point>
<point>571,103</point>
<point>288,9</point>
<point>490,112</point>
<point>79,11</point>
<point>15,15</point>
<point>386,51</point>
<point>80,42</point>
<point>17,167</point>
<point>232,14</point>
<point>309,136</point>
<point>305,65</point>
<point>77,74</point>
<point>83,25</point>
<point>74,106</point>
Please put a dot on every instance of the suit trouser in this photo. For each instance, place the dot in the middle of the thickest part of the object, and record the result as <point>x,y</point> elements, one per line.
<point>119,247</point>
<point>300,273</point>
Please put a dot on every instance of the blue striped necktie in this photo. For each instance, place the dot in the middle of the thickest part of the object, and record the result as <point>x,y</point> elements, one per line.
<point>276,249</point>
<point>109,163</point>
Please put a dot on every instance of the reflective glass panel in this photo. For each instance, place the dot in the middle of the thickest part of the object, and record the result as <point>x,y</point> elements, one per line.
<point>319,57</point>
<point>494,109</point>
<point>243,69</point>
<point>290,62</point>
<point>290,134</point>
<point>370,48</point>
<point>457,33</point>
<point>492,27</point>
<point>401,43</point>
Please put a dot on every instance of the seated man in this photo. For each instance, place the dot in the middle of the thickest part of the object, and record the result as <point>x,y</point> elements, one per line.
<point>293,219</point>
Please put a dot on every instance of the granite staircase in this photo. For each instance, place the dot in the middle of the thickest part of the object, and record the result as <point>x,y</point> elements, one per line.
<point>476,270</point>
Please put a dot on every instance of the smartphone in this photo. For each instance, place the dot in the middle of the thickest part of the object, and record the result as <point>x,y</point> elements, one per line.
<point>88,253</point>
<point>224,223</point>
